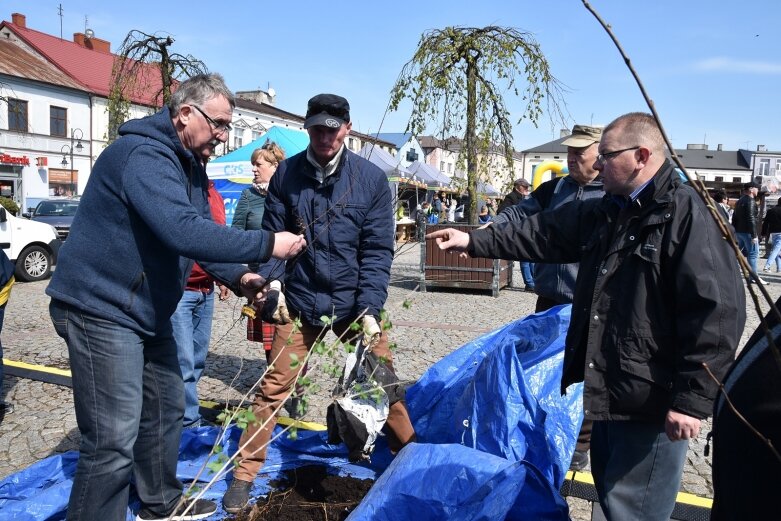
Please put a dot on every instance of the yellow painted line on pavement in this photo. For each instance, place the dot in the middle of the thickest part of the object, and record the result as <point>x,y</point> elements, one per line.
<point>310,426</point>
<point>34,367</point>
<point>284,420</point>
<point>683,497</point>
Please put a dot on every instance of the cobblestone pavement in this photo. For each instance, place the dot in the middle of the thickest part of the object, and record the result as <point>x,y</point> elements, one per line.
<point>427,326</point>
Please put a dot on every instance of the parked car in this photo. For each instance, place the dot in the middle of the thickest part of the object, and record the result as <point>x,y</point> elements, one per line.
<point>56,212</point>
<point>32,246</point>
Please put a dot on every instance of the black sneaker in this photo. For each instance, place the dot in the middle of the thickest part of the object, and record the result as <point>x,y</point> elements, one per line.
<point>6,408</point>
<point>291,406</point>
<point>200,509</point>
<point>237,496</point>
<point>579,460</point>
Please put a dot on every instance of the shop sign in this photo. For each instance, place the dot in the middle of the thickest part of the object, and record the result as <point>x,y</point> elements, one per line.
<point>6,159</point>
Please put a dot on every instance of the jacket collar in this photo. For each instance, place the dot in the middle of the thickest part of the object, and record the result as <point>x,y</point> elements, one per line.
<point>310,171</point>
<point>659,191</point>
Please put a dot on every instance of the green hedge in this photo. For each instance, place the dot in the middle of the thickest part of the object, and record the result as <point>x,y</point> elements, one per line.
<point>9,204</point>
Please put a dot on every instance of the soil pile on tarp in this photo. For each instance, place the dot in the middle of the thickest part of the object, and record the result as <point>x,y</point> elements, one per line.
<point>309,494</point>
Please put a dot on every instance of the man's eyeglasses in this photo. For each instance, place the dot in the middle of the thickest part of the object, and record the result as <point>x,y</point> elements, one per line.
<point>603,157</point>
<point>219,127</point>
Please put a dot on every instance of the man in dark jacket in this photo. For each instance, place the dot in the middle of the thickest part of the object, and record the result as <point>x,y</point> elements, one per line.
<point>555,283</point>
<point>343,205</point>
<point>658,294</point>
<point>520,192</point>
<point>118,281</point>
<point>771,228</point>
<point>745,220</point>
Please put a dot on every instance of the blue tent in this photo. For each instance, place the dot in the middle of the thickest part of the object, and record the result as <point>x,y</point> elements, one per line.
<point>291,141</point>
<point>232,173</point>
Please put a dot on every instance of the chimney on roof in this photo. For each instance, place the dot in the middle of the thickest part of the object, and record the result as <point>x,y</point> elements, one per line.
<point>696,146</point>
<point>258,96</point>
<point>761,148</point>
<point>92,43</point>
<point>564,132</point>
<point>19,19</point>
<point>719,147</point>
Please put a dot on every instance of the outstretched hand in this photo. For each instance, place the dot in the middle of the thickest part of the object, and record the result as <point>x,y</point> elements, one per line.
<point>450,239</point>
<point>287,245</point>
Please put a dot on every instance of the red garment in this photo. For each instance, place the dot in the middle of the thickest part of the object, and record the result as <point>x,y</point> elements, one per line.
<point>259,331</point>
<point>200,280</point>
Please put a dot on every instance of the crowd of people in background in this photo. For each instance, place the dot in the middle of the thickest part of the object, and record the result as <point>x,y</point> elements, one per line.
<point>448,208</point>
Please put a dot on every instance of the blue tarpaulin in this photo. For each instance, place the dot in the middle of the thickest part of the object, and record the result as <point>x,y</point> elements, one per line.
<point>494,440</point>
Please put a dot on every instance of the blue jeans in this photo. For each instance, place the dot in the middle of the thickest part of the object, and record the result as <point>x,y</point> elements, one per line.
<point>775,239</point>
<point>192,325</point>
<point>750,249</point>
<point>637,469</point>
<point>526,273</point>
<point>128,395</point>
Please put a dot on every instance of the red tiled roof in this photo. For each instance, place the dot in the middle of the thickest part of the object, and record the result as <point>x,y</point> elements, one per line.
<point>88,67</point>
<point>16,61</point>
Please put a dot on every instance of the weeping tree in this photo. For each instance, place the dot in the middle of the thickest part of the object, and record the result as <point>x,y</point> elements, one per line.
<point>458,79</point>
<point>145,64</point>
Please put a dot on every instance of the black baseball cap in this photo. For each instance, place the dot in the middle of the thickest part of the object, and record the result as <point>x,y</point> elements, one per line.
<point>329,110</point>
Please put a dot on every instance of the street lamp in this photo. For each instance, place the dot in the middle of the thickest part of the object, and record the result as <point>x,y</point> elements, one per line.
<point>76,135</point>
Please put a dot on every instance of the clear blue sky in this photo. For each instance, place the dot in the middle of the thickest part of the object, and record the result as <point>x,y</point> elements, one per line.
<point>712,67</point>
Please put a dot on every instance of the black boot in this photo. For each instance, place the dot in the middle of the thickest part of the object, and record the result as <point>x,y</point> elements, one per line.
<point>237,496</point>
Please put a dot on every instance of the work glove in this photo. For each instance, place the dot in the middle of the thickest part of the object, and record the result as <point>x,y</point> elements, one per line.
<point>371,331</point>
<point>275,309</point>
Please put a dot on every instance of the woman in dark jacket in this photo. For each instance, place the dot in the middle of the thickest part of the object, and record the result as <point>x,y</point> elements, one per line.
<point>249,216</point>
<point>249,210</point>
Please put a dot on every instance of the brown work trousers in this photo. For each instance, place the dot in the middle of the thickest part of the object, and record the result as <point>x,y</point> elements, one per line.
<point>276,385</point>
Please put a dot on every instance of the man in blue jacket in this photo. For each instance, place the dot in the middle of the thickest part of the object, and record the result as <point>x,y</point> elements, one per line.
<point>343,205</point>
<point>118,281</point>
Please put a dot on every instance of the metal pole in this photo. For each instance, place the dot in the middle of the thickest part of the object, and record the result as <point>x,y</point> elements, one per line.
<point>73,131</point>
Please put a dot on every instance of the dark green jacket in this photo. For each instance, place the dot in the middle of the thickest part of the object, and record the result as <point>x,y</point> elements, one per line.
<point>249,210</point>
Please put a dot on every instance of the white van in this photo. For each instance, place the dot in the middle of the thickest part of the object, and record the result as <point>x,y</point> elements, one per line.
<point>32,246</point>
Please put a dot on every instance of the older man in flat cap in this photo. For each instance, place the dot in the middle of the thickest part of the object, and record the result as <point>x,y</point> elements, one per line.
<point>555,283</point>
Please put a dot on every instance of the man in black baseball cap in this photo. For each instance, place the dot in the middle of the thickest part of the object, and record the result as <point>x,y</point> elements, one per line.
<point>328,123</point>
<point>343,203</point>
